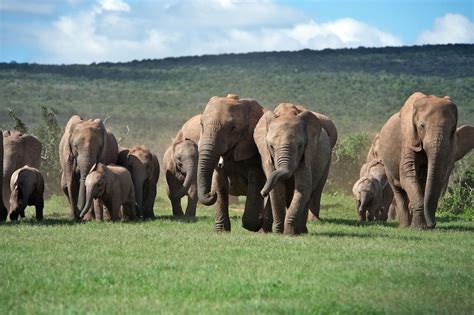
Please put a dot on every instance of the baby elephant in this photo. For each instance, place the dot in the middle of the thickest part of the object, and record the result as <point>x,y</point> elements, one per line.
<point>113,186</point>
<point>368,192</point>
<point>181,160</point>
<point>27,188</point>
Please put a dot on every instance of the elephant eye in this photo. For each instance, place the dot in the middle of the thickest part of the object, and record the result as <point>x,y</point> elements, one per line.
<point>422,126</point>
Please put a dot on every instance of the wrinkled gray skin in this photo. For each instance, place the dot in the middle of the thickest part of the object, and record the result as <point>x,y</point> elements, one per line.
<point>112,186</point>
<point>83,144</point>
<point>368,192</point>
<point>227,126</point>
<point>3,209</point>
<point>18,150</point>
<point>296,154</point>
<point>145,170</point>
<point>418,148</point>
<point>27,187</point>
<point>180,161</point>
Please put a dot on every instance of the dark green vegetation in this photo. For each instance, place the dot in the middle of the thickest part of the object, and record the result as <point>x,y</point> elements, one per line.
<point>183,267</point>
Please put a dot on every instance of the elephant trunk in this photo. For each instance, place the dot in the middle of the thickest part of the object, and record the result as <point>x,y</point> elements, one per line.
<point>84,167</point>
<point>364,201</point>
<point>284,166</point>
<point>138,186</point>
<point>190,169</point>
<point>437,174</point>
<point>208,160</point>
<point>88,204</point>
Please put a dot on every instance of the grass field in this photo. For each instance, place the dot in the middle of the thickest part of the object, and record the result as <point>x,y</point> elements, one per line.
<point>172,266</point>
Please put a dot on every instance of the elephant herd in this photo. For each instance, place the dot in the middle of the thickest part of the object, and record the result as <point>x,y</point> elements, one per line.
<point>279,159</point>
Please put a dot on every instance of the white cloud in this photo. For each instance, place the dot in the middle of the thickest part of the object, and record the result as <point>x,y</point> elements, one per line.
<point>449,29</point>
<point>111,31</point>
<point>114,5</point>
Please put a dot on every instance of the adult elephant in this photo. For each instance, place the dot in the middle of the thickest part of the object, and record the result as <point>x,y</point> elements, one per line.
<point>3,209</point>
<point>83,144</point>
<point>227,126</point>
<point>296,155</point>
<point>418,146</point>
<point>18,150</point>
<point>144,167</point>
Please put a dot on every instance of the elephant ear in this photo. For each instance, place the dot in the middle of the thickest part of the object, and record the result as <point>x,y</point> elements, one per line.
<point>122,159</point>
<point>103,152</point>
<point>246,148</point>
<point>409,132</point>
<point>259,135</point>
<point>355,189</point>
<point>464,141</point>
<point>313,129</point>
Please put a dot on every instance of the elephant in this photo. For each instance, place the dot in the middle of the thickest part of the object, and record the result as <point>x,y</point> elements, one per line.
<point>144,167</point>
<point>191,129</point>
<point>295,152</point>
<point>112,185</point>
<point>227,125</point>
<point>18,150</point>
<point>180,161</point>
<point>465,141</point>
<point>83,144</point>
<point>3,209</point>
<point>418,146</point>
<point>27,189</point>
<point>372,192</point>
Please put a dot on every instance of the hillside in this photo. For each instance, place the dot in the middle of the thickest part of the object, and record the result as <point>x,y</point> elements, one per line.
<point>358,88</point>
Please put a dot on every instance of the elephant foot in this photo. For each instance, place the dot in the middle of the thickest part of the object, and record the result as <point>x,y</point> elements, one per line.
<point>218,227</point>
<point>418,222</point>
<point>88,217</point>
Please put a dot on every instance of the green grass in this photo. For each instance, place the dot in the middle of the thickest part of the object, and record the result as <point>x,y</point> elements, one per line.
<point>172,266</point>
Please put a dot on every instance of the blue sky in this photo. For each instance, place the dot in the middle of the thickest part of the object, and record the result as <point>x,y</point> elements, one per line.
<point>85,31</point>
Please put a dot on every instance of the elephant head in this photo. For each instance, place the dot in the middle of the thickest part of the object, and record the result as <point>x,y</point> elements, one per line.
<point>185,157</point>
<point>141,164</point>
<point>227,126</point>
<point>95,184</point>
<point>368,194</point>
<point>85,143</point>
<point>289,136</point>
<point>428,130</point>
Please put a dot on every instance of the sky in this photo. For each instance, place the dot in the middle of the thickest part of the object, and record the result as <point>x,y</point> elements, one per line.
<point>86,31</point>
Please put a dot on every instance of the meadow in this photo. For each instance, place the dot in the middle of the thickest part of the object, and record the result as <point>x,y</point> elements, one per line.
<point>176,266</point>
<point>182,267</point>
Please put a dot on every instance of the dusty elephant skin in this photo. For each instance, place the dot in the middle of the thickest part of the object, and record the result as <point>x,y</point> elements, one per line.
<point>372,192</point>
<point>111,185</point>
<point>419,146</point>
<point>3,209</point>
<point>227,126</point>
<point>27,189</point>
<point>145,171</point>
<point>295,151</point>
<point>18,150</point>
<point>180,161</point>
<point>83,144</point>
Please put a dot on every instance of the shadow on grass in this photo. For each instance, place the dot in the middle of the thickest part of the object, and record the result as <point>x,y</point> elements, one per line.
<point>365,235</point>
<point>354,222</point>
<point>183,219</point>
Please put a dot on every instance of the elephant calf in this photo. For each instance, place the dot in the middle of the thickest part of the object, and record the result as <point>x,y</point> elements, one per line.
<point>112,185</point>
<point>372,192</point>
<point>145,170</point>
<point>27,188</point>
<point>180,161</point>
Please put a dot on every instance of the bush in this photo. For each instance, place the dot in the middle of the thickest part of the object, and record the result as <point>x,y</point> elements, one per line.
<point>459,197</point>
<point>347,157</point>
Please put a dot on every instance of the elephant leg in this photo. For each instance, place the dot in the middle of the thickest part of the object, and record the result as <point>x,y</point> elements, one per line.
<point>115,210</point>
<point>149,201</point>
<point>107,213</point>
<point>402,204</point>
<point>299,205</point>
<point>315,202</point>
<point>176,206</point>
<point>221,183</point>
<point>267,217</point>
<point>22,214</point>
<point>392,210</point>
<point>192,201</point>
<point>98,209</point>
<point>252,219</point>
<point>39,206</point>
<point>278,205</point>
<point>128,211</point>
